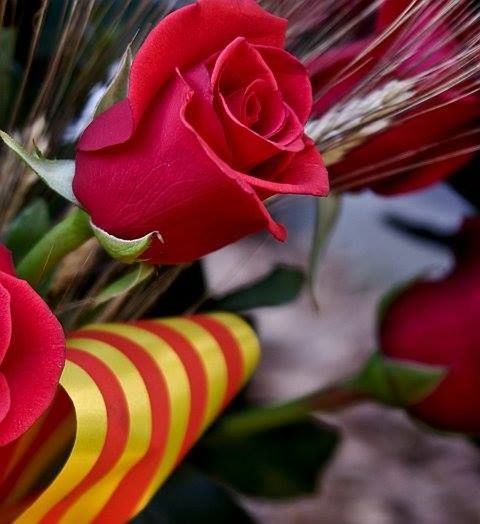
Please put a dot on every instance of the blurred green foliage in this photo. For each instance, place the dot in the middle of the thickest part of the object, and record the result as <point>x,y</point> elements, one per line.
<point>277,463</point>
<point>190,497</point>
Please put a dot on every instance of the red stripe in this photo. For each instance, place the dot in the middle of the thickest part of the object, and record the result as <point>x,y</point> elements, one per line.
<point>231,352</point>
<point>118,424</point>
<point>130,490</point>
<point>196,376</point>
<point>58,412</point>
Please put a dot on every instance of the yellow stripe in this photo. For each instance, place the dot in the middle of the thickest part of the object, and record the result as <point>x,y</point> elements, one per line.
<point>91,429</point>
<point>214,365</point>
<point>246,339</point>
<point>178,389</point>
<point>89,505</point>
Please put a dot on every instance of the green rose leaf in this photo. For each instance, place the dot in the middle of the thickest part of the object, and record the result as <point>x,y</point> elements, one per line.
<point>118,88</point>
<point>278,463</point>
<point>57,174</point>
<point>28,228</point>
<point>127,251</point>
<point>281,285</point>
<point>396,382</point>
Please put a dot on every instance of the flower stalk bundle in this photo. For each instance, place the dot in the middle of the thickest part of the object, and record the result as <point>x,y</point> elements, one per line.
<point>212,112</point>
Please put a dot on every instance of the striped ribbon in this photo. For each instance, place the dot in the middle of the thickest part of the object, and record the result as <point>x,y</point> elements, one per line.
<point>135,399</point>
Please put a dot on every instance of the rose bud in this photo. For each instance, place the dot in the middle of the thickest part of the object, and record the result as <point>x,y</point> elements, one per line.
<point>213,124</point>
<point>32,353</point>
<point>434,138</point>
<point>437,323</point>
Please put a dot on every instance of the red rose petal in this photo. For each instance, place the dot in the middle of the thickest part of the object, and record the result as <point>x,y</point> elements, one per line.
<point>436,323</point>
<point>238,65</point>
<point>389,11</point>
<point>197,107</point>
<point>290,132</point>
<point>301,173</point>
<point>414,135</point>
<point>4,397</point>
<point>292,79</point>
<point>169,189</point>
<point>114,126</point>
<point>304,174</point>
<point>332,77</point>
<point>34,360</point>
<point>5,322</point>
<point>210,25</point>
<point>251,148</point>
<point>241,63</point>
<point>207,123</point>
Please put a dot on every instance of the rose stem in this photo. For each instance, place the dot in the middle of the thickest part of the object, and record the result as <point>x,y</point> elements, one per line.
<point>73,231</point>
<point>264,418</point>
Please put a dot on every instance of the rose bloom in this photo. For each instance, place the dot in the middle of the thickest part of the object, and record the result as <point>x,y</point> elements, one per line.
<point>212,126</point>
<point>437,323</point>
<point>32,353</point>
<point>422,134</point>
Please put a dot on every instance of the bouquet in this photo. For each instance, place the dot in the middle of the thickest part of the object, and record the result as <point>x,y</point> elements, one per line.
<point>140,137</point>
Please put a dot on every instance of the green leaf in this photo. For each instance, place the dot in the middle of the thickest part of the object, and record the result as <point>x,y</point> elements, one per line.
<point>57,174</point>
<point>8,37</point>
<point>327,211</point>
<point>396,382</point>
<point>280,462</point>
<point>118,88</point>
<point>127,251</point>
<point>281,285</point>
<point>28,228</point>
<point>124,284</point>
<point>190,497</point>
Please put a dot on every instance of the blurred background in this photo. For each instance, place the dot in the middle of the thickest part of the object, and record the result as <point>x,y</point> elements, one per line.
<point>386,469</point>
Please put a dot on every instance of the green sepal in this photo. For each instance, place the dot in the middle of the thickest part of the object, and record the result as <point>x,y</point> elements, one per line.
<point>395,382</point>
<point>127,251</point>
<point>327,211</point>
<point>118,88</point>
<point>57,174</point>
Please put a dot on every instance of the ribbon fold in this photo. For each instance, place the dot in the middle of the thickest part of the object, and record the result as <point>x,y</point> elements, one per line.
<point>135,397</point>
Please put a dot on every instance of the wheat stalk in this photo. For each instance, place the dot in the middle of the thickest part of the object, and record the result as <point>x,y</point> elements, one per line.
<point>348,125</point>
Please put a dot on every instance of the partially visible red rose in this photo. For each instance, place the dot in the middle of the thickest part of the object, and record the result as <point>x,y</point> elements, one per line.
<point>418,150</point>
<point>32,353</point>
<point>437,323</point>
<point>212,126</point>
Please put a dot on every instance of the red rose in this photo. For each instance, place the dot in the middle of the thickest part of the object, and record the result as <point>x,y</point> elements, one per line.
<point>213,124</point>
<point>32,353</point>
<point>437,323</point>
<point>426,131</point>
